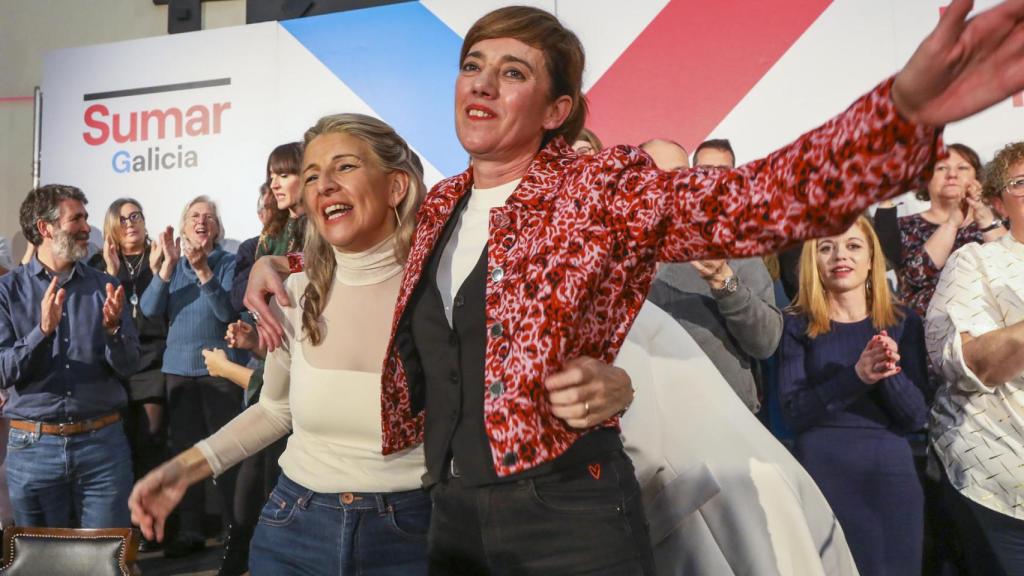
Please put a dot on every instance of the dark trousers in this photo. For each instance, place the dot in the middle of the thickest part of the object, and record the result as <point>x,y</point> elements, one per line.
<point>582,520</point>
<point>198,407</point>
<point>145,420</point>
<point>149,447</point>
<point>993,542</point>
<point>979,551</point>
<point>257,476</point>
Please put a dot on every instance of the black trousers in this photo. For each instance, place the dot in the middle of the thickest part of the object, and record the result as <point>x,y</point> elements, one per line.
<point>257,476</point>
<point>583,520</point>
<point>993,542</point>
<point>198,407</point>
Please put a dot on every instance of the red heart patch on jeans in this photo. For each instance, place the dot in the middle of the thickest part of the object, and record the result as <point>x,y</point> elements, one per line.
<point>595,471</point>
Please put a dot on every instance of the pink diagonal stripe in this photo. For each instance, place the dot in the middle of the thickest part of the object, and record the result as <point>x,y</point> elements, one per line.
<point>719,50</point>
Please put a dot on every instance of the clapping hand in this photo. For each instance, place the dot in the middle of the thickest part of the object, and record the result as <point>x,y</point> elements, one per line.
<point>52,307</point>
<point>112,307</point>
<point>170,248</point>
<point>714,272</point>
<point>880,359</point>
<point>156,257</point>
<point>982,213</point>
<point>111,255</point>
<point>195,255</point>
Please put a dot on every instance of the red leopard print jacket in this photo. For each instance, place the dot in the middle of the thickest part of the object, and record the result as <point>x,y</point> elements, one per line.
<point>572,254</point>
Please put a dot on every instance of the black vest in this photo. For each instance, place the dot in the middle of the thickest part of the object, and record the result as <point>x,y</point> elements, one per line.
<point>452,360</point>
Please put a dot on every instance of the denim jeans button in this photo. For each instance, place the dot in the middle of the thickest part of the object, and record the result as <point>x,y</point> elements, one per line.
<point>347,498</point>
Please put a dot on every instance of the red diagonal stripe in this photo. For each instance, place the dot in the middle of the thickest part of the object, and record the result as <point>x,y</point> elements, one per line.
<point>718,51</point>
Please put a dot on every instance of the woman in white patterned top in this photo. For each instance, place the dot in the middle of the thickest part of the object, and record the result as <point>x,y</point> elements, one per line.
<point>975,336</point>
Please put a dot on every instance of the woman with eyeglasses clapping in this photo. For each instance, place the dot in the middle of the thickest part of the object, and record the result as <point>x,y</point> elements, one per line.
<point>129,255</point>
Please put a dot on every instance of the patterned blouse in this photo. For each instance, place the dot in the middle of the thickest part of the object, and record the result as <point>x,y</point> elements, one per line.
<point>977,428</point>
<point>571,255</point>
<point>916,273</point>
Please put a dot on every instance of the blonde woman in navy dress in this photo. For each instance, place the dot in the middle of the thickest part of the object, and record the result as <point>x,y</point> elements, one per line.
<point>852,379</point>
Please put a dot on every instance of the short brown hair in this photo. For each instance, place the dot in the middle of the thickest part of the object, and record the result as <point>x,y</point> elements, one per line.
<point>43,203</point>
<point>720,144</point>
<point>998,170</point>
<point>563,55</point>
<point>965,152</point>
<point>285,159</point>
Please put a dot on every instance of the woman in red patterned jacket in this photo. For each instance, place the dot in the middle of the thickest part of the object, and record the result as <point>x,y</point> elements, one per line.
<point>535,256</point>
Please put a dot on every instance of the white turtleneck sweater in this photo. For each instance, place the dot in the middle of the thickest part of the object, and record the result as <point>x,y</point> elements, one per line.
<point>329,395</point>
<point>468,240</point>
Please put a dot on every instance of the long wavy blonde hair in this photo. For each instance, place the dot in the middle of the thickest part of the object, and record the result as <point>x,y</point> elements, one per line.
<point>812,300</point>
<point>392,154</point>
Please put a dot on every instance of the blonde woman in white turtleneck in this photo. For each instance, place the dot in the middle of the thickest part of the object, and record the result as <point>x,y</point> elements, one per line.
<point>340,506</point>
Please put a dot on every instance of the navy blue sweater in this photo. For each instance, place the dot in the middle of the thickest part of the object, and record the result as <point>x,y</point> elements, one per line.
<point>819,387</point>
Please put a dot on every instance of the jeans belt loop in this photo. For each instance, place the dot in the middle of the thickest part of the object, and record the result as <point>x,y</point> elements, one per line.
<point>382,504</point>
<point>38,433</point>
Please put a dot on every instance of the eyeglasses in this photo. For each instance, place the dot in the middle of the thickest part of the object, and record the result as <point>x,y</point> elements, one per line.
<point>1015,186</point>
<point>134,218</point>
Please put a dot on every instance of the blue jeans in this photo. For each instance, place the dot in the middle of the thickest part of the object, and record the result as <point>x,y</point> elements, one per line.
<point>373,534</point>
<point>54,480</point>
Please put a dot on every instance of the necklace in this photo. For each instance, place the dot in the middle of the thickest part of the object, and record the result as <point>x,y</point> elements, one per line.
<point>133,272</point>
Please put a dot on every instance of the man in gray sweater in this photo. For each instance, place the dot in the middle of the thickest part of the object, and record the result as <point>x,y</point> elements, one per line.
<point>727,306</point>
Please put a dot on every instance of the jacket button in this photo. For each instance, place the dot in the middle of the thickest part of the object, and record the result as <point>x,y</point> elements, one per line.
<point>497,388</point>
<point>497,275</point>
<point>497,330</point>
<point>459,300</point>
<point>509,459</point>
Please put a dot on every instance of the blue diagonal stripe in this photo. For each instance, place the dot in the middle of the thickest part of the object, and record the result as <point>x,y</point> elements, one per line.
<point>402,61</point>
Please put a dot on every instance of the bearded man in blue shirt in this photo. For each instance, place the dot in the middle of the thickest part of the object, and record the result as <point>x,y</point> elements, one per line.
<point>66,341</point>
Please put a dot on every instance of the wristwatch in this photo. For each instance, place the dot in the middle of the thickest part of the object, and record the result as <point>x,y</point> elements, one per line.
<point>730,287</point>
<point>995,225</point>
